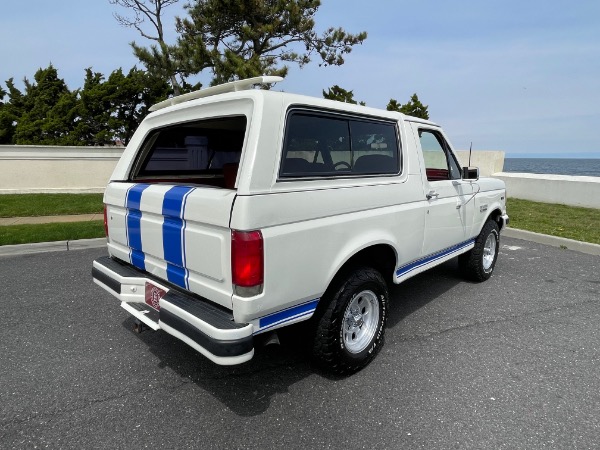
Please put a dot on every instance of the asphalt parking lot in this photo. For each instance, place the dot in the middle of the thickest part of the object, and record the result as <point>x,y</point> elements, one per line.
<point>510,363</point>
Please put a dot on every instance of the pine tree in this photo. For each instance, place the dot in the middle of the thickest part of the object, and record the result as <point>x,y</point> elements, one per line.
<point>236,39</point>
<point>414,107</point>
<point>47,110</point>
<point>340,94</point>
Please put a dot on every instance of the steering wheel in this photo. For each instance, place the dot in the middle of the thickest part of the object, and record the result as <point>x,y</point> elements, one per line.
<point>341,163</point>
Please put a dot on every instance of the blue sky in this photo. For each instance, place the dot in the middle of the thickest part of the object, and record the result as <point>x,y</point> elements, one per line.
<point>519,76</point>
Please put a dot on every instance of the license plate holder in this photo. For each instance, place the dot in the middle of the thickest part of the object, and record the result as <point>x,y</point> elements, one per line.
<point>153,295</point>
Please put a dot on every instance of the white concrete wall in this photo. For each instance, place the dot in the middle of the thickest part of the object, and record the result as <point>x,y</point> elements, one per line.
<point>563,189</point>
<point>46,169</point>
<point>29,169</point>
<point>489,162</point>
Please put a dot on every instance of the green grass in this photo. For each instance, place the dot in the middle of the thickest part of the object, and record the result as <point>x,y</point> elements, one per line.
<point>581,224</point>
<point>29,205</point>
<point>47,232</point>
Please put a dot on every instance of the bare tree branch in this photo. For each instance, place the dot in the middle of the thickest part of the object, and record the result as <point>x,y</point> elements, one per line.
<point>151,11</point>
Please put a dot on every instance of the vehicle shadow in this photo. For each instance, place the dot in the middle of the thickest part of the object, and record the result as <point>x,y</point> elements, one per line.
<point>418,291</point>
<point>248,389</point>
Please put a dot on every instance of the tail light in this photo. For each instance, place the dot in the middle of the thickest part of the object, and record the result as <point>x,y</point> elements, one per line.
<point>247,262</point>
<point>105,220</point>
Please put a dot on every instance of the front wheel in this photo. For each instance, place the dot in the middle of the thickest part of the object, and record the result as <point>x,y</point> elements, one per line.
<point>350,325</point>
<point>478,263</point>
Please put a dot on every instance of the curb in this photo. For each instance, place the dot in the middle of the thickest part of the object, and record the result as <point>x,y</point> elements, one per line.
<point>58,246</point>
<point>554,241</point>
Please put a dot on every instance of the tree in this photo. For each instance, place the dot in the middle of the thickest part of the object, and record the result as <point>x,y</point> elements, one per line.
<point>46,110</point>
<point>158,59</point>
<point>6,118</point>
<point>393,105</point>
<point>103,112</point>
<point>341,95</point>
<point>413,108</point>
<point>94,111</point>
<point>133,96</point>
<point>236,39</point>
<point>110,110</point>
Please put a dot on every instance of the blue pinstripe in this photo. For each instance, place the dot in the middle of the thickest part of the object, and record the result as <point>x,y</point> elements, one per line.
<point>288,314</point>
<point>431,258</point>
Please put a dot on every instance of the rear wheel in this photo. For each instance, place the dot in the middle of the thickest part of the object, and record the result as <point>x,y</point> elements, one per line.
<point>350,324</point>
<point>478,263</point>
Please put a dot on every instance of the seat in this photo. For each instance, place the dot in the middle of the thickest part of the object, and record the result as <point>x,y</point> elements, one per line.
<point>292,166</point>
<point>374,164</point>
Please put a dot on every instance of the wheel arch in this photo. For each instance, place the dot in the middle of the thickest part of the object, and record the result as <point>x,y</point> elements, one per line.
<point>380,256</point>
<point>496,216</point>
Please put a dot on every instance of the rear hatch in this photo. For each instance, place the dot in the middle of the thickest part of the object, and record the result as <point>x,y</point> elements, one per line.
<point>170,217</point>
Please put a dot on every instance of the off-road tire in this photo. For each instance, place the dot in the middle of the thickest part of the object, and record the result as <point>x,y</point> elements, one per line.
<point>478,263</point>
<point>333,348</point>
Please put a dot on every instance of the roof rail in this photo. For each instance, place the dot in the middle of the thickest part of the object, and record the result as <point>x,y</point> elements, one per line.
<point>232,86</point>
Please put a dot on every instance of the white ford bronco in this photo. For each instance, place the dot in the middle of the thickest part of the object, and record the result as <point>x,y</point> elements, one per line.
<point>236,211</point>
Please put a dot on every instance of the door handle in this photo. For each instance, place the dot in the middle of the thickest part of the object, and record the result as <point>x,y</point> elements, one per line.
<point>432,194</point>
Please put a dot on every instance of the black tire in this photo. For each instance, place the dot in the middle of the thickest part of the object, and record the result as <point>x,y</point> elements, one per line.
<point>344,346</point>
<point>479,262</point>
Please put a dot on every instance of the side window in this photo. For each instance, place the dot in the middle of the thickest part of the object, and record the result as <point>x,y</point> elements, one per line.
<point>321,145</point>
<point>312,142</point>
<point>374,148</point>
<point>440,163</point>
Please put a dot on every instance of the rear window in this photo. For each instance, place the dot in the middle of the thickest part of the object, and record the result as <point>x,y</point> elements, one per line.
<point>205,149</point>
<point>325,145</point>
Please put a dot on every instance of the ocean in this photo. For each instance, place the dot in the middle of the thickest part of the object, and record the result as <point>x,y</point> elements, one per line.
<point>558,166</point>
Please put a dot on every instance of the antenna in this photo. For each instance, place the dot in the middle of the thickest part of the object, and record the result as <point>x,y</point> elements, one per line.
<point>470,151</point>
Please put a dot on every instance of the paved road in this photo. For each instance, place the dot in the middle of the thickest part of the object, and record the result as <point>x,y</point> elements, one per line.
<point>511,363</point>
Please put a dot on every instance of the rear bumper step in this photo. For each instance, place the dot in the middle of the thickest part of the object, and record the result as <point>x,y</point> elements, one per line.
<point>207,328</point>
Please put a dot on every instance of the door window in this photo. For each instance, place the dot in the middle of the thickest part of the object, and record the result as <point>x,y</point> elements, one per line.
<point>440,163</point>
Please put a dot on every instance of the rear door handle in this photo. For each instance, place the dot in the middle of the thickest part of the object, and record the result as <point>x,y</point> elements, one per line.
<point>432,194</point>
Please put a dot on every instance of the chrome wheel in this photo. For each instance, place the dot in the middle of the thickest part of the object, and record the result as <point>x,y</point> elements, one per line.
<point>489,252</point>
<point>360,321</point>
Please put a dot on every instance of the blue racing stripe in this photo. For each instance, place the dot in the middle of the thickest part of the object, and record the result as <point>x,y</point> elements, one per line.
<point>173,234</point>
<point>172,238</point>
<point>138,259</point>
<point>133,220</point>
<point>176,275</point>
<point>288,314</point>
<point>431,258</point>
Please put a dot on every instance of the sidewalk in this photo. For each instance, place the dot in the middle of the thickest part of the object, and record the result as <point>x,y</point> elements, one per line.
<point>4,221</point>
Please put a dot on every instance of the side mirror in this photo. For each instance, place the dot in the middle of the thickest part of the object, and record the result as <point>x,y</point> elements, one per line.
<point>470,173</point>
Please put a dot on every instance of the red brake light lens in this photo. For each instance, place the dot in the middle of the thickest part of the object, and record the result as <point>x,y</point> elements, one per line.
<point>247,258</point>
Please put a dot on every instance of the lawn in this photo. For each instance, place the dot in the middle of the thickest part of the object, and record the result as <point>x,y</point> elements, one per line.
<point>48,232</point>
<point>28,205</point>
<point>581,224</point>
